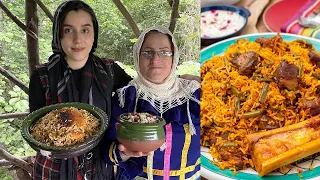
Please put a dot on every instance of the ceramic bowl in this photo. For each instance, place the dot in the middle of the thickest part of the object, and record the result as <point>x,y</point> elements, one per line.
<point>140,137</point>
<point>205,3</point>
<point>64,151</point>
<point>205,41</point>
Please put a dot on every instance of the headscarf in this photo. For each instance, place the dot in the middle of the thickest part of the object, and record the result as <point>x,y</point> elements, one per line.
<point>96,88</point>
<point>169,94</point>
<point>59,17</point>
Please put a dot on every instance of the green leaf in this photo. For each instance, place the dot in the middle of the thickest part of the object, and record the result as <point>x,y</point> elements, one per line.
<point>133,40</point>
<point>22,105</point>
<point>8,108</point>
<point>13,93</point>
<point>13,101</point>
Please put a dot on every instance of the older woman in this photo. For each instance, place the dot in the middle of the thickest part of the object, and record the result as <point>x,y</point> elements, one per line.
<point>158,91</point>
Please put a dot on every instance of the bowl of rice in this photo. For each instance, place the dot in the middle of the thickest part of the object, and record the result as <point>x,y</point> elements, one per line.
<point>141,132</point>
<point>64,130</point>
<point>220,22</point>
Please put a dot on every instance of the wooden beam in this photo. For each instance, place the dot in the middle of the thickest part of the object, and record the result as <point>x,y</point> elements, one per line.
<point>28,159</point>
<point>13,79</point>
<point>44,9</point>
<point>13,115</point>
<point>32,24</point>
<point>174,15</point>
<point>15,160</point>
<point>17,21</point>
<point>128,17</point>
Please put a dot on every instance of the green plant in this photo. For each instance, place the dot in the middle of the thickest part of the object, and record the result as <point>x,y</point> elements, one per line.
<point>4,174</point>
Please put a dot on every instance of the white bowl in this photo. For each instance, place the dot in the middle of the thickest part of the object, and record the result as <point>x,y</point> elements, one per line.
<point>205,3</point>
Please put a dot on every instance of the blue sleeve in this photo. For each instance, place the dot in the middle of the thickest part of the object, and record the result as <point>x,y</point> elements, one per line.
<point>109,143</point>
<point>110,152</point>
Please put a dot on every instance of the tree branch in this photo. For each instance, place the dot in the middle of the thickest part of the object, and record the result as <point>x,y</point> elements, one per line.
<point>16,161</point>
<point>16,20</point>
<point>13,79</point>
<point>170,2</point>
<point>44,9</point>
<point>28,159</point>
<point>174,15</point>
<point>128,17</point>
<point>13,115</point>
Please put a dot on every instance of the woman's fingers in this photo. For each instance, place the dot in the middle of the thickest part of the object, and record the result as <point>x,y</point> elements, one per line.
<point>127,152</point>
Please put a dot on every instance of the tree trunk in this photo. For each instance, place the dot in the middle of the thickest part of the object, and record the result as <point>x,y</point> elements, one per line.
<point>128,17</point>
<point>32,24</point>
<point>174,15</point>
<point>2,43</point>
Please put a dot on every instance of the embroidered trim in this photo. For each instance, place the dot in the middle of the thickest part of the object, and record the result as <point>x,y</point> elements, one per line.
<point>150,166</point>
<point>188,169</point>
<point>167,152</point>
<point>195,176</point>
<point>186,146</point>
<point>184,94</point>
<point>111,150</point>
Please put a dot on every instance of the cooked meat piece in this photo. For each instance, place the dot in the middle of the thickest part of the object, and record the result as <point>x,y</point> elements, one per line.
<point>287,75</point>
<point>263,123</point>
<point>315,112</point>
<point>318,89</point>
<point>314,58</point>
<point>246,63</point>
<point>313,105</point>
<point>234,155</point>
<point>269,42</point>
<point>304,44</point>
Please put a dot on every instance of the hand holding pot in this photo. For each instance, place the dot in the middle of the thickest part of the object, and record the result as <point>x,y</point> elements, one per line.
<point>130,153</point>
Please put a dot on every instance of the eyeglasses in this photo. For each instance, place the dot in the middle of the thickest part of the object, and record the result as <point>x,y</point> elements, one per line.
<point>150,54</point>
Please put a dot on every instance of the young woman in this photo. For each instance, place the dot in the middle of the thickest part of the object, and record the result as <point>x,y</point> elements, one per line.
<point>158,91</point>
<point>75,74</point>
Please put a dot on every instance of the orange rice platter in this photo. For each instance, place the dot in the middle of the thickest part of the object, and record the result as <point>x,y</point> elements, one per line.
<point>260,106</point>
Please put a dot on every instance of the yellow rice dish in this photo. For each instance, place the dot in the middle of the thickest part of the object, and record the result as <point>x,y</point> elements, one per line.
<point>256,86</point>
<point>65,126</point>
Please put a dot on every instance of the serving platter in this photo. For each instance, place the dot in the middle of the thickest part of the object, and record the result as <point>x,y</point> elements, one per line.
<point>211,171</point>
<point>64,151</point>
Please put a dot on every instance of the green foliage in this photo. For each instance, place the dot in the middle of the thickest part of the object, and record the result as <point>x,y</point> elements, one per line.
<point>12,139</point>
<point>4,174</point>
<point>189,67</point>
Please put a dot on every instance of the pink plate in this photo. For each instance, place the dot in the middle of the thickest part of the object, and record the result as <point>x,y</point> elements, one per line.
<point>279,13</point>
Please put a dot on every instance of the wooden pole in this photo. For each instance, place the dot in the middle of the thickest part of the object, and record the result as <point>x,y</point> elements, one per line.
<point>13,79</point>
<point>128,17</point>
<point>174,15</point>
<point>15,160</point>
<point>32,24</point>
<point>17,21</point>
<point>13,115</point>
<point>44,9</point>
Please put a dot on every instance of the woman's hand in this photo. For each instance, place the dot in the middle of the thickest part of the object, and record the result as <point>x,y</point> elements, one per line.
<point>126,153</point>
<point>129,153</point>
